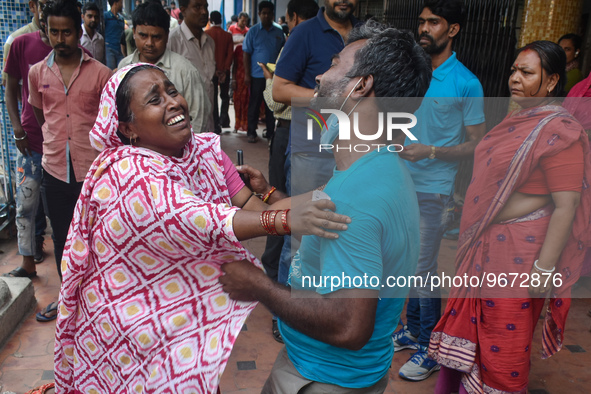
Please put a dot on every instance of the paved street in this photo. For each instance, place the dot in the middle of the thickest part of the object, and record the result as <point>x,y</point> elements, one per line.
<point>26,361</point>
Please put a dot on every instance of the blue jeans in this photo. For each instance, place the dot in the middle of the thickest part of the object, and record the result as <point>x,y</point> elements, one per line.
<point>113,56</point>
<point>424,306</point>
<point>28,191</point>
<point>285,256</point>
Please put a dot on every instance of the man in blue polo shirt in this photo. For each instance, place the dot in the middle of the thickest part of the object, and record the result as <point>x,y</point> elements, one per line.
<point>114,27</point>
<point>262,44</point>
<point>450,124</point>
<point>338,335</point>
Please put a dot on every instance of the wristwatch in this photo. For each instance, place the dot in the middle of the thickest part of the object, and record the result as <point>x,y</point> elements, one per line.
<point>432,155</point>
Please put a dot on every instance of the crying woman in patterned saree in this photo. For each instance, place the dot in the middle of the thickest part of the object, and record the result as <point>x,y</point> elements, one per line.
<point>141,309</point>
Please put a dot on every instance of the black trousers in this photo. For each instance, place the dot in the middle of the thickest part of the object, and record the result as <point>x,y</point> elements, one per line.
<point>272,253</point>
<point>277,156</point>
<point>257,87</point>
<point>60,200</point>
<point>220,115</point>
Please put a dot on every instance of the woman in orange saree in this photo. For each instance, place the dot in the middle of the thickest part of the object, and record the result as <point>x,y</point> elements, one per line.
<point>526,215</point>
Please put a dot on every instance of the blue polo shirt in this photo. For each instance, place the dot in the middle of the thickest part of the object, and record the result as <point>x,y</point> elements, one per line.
<point>454,100</point>
<point>307,54</point>
<point>114,27</point>
<point>263,46</point>
<point>382,241</point>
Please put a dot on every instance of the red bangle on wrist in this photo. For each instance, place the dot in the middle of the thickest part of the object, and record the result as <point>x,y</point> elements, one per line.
<point>266,196</point>
<point>268,218</point>
<point>286,227</point>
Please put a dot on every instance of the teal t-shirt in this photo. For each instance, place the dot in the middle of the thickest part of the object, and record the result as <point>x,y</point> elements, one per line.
<point>454,100</point>
<point>382,240</point>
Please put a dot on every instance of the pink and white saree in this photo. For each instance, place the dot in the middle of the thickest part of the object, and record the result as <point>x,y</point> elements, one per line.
<point>141,310</point>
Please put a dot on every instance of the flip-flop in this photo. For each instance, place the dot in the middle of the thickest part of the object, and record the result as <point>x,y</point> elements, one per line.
<point>20,272</point>
<point>40,316</point>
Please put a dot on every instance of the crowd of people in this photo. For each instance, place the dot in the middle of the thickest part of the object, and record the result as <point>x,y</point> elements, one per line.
<point>123,155</point>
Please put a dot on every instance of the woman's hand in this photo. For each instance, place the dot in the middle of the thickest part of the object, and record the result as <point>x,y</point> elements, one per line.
<point>315,217</point>
<point>539,282</point>
<point>255,179</point>
<point>559,230</point>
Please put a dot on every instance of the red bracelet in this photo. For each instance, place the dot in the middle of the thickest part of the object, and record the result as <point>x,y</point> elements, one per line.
<point>286,227</point>
<point>266,196</point>
<point>268,222</point>
<point>272,226</point>
<point>262,219</point>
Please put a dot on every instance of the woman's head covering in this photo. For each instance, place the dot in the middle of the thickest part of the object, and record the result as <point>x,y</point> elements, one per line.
<point>104,132</point>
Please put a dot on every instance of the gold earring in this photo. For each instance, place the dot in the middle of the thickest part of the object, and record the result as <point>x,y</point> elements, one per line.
<point>133,141</point>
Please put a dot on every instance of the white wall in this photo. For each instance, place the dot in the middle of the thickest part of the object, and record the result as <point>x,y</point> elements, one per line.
<point>215,5</point>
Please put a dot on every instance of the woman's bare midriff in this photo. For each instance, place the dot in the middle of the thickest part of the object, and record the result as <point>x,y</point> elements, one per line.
<point>521,204</point>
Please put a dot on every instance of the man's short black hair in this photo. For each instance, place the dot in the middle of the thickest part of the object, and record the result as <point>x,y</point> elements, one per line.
<point>215,17</point>
<point>90,6</point>
<point>266,4</point>
<point>243,15</point>
<point>399,66</point>
<point>111,2</point>
<point>172,3</point>
<point>66,8</point>
<point>305,9</point>
<point>234,18</point>
<point>151,14</point>
<point>453,11</point>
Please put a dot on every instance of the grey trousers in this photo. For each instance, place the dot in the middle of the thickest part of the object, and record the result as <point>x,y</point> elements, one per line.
<point>285,379</point>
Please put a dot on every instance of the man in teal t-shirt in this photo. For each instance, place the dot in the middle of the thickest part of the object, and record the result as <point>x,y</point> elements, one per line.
<point>338,335</point>
<point>450,122</point>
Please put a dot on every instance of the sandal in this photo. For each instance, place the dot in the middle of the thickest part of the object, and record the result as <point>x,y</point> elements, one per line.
<point>20,272</point>
<point>41,389</point>
<point>276,333</point>
<point>41,316</point>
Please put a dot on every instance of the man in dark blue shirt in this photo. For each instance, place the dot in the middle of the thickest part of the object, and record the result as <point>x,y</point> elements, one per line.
<point>262,44</point>
<point>114,27</point>
<point>307,54</point>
